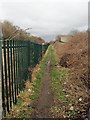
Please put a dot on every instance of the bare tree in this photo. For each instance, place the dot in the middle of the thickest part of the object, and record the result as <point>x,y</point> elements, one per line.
<point>11,31</point>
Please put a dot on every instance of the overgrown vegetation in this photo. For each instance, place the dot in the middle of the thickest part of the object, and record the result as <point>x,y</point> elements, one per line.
<point>74,56</point>
<point>62,107</point>
<point>57,75</point>
<point>20,110</point>
<point>64,102</point>
<point>37,83</point>
<point>9,30</point>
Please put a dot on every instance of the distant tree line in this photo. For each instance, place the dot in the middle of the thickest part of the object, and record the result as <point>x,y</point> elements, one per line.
<point>11,31</point>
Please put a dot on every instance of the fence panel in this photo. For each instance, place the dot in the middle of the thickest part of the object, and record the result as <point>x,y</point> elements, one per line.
<point>18,57</point>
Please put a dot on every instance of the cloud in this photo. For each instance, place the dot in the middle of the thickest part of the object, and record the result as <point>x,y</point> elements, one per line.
<point>46,17</point>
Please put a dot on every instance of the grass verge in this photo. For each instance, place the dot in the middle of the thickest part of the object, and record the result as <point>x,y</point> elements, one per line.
<point>59,75</point>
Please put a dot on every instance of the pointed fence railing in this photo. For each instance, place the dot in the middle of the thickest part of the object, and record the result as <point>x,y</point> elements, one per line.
<point>18,57</point>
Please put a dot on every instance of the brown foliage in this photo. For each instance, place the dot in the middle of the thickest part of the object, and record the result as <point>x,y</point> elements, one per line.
<point>9,31</point>
<point>74,55</point>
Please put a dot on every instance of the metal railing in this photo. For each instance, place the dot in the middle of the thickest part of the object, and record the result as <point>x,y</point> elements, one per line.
<point>18,57</point>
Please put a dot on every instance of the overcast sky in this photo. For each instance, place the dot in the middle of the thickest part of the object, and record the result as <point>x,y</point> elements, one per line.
<point>47,18</point>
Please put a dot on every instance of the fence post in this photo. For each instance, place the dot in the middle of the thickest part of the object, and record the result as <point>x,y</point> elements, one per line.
<point>29,62</point>
<point>0,72</point>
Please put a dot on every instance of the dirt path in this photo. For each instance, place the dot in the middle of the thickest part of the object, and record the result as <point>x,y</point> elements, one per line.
<point>45,100</point>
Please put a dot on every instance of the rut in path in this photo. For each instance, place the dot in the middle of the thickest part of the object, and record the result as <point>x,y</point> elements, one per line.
<point>45,101</point>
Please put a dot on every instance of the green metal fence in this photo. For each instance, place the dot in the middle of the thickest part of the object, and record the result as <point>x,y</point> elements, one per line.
<point>18,57</point>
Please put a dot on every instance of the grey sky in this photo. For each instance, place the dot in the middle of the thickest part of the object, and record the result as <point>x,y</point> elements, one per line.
<point>46,17</point>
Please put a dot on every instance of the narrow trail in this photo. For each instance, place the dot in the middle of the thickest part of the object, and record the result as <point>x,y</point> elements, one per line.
<point>45,101</point>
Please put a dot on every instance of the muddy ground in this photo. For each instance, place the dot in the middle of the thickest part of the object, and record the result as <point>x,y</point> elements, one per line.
<point>45,101</point>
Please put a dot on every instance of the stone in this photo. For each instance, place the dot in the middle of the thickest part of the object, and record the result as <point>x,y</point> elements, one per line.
<point>72,108</point>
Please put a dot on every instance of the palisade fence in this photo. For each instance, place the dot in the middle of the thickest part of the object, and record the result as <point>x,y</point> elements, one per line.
<point>18,59</point>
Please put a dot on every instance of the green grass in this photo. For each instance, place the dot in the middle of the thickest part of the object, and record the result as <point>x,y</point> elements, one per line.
<point>58,75</point>
<point>53,56</point>
<point>38,82</point>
